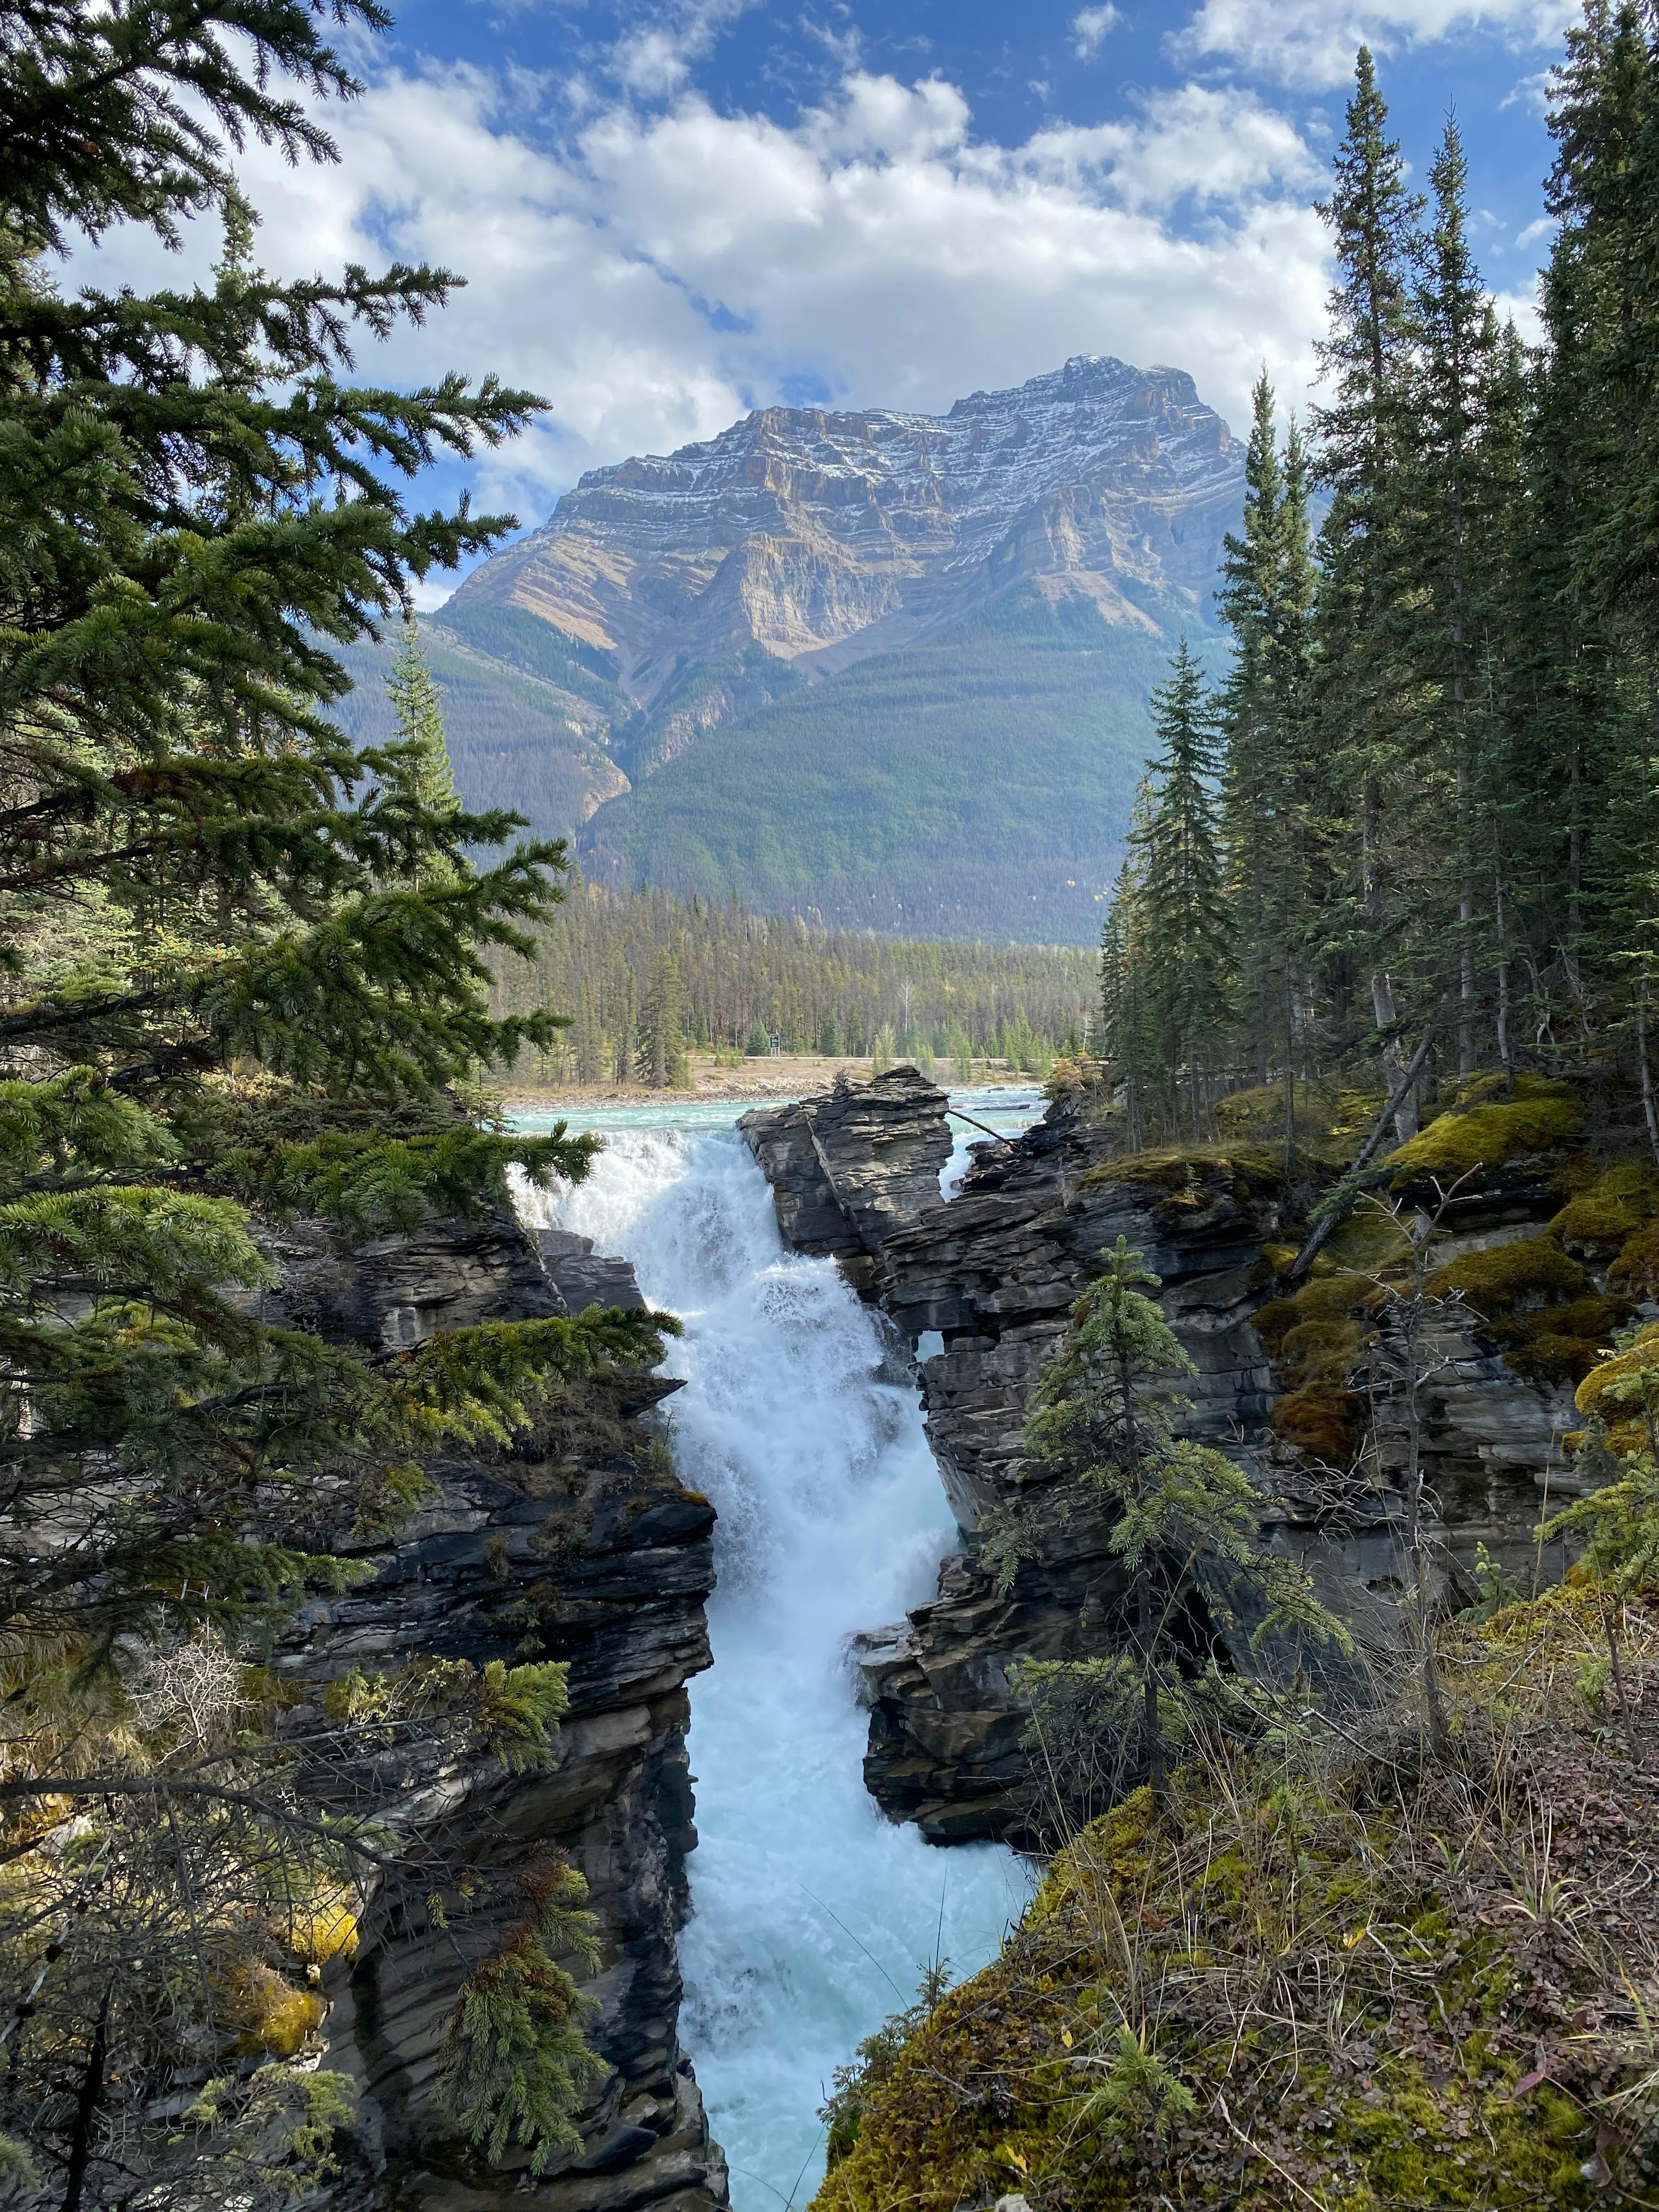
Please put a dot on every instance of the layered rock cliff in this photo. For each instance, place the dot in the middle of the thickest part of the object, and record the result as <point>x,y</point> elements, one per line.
<point>578,1545</point>
<point>982,1287</point>
<point>825,536</point>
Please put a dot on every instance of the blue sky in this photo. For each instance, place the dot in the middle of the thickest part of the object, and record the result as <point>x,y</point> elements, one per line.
<point>672,211</point>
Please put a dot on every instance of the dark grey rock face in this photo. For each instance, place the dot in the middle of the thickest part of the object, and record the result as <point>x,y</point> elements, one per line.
<point>993,1273</point>
<point>580,1544</point>
<point>582,1277</point>
<point>854,1168</point>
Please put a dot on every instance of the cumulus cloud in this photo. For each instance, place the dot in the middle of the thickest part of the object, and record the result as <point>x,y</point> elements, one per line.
<point>665,266</point>
<point>1312,43</point>
<point>1090,28</point>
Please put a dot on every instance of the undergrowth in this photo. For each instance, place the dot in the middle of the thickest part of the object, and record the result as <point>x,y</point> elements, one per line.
<point>1335,1975</point>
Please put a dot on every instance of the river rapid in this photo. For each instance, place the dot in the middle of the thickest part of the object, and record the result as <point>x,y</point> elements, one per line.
<point>812,1916</point>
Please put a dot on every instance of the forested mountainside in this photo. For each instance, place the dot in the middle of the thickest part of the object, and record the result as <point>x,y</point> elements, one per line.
<point>887,670</point>
<point>645,975</point>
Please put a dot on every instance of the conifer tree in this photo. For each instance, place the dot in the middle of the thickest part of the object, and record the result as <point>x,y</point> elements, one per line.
<point>1184,918</point>
<point>421,755</point>
<point>1267,808</point>
<point>1104,1416</point>
<point>1365,696</point>
<point>662,1060</point>
<point>242,975</point>
<point>1458,336</point>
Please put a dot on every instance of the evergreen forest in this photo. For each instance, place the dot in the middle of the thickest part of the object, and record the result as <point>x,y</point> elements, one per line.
<point>1413,828</point>
<point>645,978</point>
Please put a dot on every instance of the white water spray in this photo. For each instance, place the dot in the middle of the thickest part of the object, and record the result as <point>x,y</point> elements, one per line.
<point>812,1916</point>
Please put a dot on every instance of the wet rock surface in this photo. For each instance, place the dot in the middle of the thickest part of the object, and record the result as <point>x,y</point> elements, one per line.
<point>993,1275</point>
<point>578,1545</point>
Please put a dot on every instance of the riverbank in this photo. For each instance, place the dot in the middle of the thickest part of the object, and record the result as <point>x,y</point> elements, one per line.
<point>773,1076</point>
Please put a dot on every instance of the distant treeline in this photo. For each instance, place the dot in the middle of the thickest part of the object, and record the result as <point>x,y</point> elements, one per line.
<point>643,976</point>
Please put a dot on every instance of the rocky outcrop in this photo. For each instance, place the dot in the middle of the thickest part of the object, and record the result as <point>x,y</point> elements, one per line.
<point>982,1287</point>
<point>852,1169</point>
<point>578,1545</point>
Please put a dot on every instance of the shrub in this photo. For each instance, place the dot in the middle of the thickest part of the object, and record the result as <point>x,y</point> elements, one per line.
<point>514,2065</point>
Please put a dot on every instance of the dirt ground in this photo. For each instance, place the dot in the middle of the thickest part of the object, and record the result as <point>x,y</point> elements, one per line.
<point>790,1076</point>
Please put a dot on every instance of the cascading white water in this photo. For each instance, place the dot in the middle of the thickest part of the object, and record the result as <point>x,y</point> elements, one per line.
<point>811,1915</point>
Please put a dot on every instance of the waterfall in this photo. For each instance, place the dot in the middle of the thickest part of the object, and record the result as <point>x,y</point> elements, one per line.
<point>812,1916</point>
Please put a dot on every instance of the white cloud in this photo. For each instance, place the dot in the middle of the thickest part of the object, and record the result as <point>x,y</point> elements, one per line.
<point>1194,141</point>
<point>655,59</point>
<point>672,265</point>
<point>1313,42</point>
<point>1090,28</point>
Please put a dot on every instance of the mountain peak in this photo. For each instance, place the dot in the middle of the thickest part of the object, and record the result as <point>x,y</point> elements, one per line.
<point>825,534</point>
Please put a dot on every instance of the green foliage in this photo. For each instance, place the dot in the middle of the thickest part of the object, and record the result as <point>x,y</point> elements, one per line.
<point>661,1059</point>
<point>520,1710</point>
<point>269,2135</point>
<point>742,978</point>
<point>972,786</point>
<point>856,2084</point>
<point>1167,944</point>
<point>1103,1416</point>
<point>245,973</point>
<point>520,740</point>
<point>514,2066</point>
<point>1439,803</point>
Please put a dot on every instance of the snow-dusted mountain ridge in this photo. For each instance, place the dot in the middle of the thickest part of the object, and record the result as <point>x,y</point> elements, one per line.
<point>826,536</point>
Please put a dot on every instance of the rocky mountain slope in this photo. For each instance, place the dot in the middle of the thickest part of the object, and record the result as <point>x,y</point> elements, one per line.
<point>826,537</point>
<point>889,667</point>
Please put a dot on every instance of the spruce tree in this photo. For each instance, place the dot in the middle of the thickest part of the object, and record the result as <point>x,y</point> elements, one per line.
<point>662,1061</point>
<point>1453,519</point>
<point>1103,1416</point>
<point>244,976</point>
<point>1366,694</point>
<point>1268,785</point>
<point>1184,917</point>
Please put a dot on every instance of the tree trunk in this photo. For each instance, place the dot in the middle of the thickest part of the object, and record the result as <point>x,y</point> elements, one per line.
<point>1649,1108</point>
<point>86,2111</point>
<point>1383,1010</point>
<point>1465,993</point>
<point>1505,1048</point>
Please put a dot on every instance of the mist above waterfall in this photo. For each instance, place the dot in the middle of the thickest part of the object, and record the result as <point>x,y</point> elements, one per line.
<point>812,1915</point>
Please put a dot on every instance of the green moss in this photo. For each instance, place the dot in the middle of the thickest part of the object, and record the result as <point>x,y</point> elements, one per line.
<point>1314,1337</point>
<point>1543,1116</point>
<point>1532,1272</point>
<point>1561,1343</point>
<point>1637,1268</point>
<point>1612,1391</point>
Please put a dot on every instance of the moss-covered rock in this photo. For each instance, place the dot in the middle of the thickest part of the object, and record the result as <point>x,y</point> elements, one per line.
<point>1543,1115</point>
<point>1617,1392</point>
<point>1637,1268</point>
<point>1532,1272</point>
